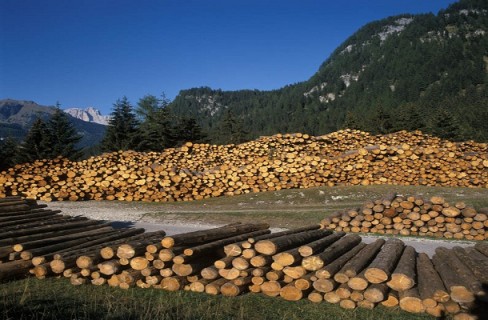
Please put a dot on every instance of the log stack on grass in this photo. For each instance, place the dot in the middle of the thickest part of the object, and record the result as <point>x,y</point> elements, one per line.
<point>200,171</point>
<point>413,215</point>
<point>303,263</point>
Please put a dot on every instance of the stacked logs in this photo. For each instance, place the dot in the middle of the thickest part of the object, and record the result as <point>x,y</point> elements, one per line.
<point>412,215</point>
<point>308,262</point>
<point>31,234</point>
<point>199,171</point>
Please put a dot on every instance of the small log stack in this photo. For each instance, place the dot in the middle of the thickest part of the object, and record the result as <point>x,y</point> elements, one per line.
<point>412,215</point>
<point>199,171</point>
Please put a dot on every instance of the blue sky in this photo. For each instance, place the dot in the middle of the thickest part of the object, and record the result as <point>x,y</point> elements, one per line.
<point>92,52</point>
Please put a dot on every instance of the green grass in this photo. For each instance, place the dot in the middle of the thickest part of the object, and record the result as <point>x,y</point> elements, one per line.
<point>58,299</point>
<point>298,207</point>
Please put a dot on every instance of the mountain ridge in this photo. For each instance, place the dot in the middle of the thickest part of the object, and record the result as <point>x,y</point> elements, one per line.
<point>17,116</point>
<point>431,66</point>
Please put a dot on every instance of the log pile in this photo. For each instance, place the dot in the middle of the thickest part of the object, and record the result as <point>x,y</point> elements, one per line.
<point>31,235</point>
<point>303,263</point>
<point>412,215</point>
<point>199,171</point>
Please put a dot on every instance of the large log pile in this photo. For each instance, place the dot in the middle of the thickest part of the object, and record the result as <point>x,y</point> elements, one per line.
<point>198,171</point>
<point>412,215</point>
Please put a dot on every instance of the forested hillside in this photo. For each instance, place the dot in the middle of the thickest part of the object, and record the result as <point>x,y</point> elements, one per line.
<point>426,72</point>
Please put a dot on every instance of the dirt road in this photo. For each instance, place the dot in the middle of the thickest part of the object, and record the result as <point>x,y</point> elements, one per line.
<point>125,214</point>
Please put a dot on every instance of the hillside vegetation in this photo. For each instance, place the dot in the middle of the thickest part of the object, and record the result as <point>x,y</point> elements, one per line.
<point>408,72</point>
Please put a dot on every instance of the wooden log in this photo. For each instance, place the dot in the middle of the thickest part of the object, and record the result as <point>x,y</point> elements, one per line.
<point>430,285</point>
<point>319,245</point>
<point>209,235</point>
<point>410,300</point>
<point>465,275</point>
<point>90,231</point>
<point>271,288</point>
<point>358,282</point>
<point>325,285</point>
<point>376,292</point>
<point>482,247</point>
<point>331,269</point>
<point>358,262</point>
<point>346,243</point>
<point>476,263</point>
<point>392,300</point>
<point>210,273</point>
<point>403,277</point>
<point>235,287</point>
<point>275,245</point>
<point>173,283</point>
<point>315,296</point>
<point>214,245</point>
<point>458,291</point>
<point>385,262</point>
<point>213,288</point>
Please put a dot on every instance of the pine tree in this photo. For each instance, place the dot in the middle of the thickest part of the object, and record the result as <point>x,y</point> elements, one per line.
<point>63,136</point>
<point>122,129</point>
<point>36,144</point>
<point>8,153</point>
<point>351,121</point>
<point>231,129</point>
<point>445,125</point>
<point>156,131</point>
<point>189,130</point>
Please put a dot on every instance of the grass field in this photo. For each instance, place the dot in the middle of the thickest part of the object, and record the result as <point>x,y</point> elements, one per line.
<point>296,207</point>
<point>58,299</point>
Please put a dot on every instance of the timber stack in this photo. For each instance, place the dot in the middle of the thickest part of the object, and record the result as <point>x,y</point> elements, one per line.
<point>199,171</point>
<point>303,263</point>
<point>412,215</point>
<point>31,235</point>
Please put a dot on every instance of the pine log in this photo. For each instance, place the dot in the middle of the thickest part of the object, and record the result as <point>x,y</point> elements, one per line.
<point>458,291</point>
<point>482,247</point>
<point>385,262</point>
<point>410,300</point>
<point>275,245</point>
<point>214,245</point>
<point>359,262</point>
<point>465,275</point>
<point>403,277</point>
<point>235,287</point>
<point>319,245</point>
<point>477,265</point>
<point>346,243</point>
<point>271,288</point>
<point>209,235</point>
<point>430,285</point>
<point>376,292</point>
<point>213,288</point>
<point>330,270</point>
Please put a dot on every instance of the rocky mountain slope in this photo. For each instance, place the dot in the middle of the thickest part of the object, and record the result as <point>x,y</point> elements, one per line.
<point>17,116</point>
<point>89,114</point>
<point>426,72</point>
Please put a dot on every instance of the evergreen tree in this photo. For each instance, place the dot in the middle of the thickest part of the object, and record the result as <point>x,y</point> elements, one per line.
<point>351,121</point>
<point>36,144</point>
<point>189,130</point>
<point>122,129</point>
<point>156,131</point>
<point>231,129</point>
<point>62,136</point>
<point>8,153</point>
<point>445,125</point>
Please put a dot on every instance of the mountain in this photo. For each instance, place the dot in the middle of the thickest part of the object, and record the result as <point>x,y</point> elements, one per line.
<point>427,72</point>
<point>89,114</point>
<point>17,116</point>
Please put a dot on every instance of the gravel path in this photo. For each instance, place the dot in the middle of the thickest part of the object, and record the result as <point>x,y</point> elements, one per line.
<point>127,214</point>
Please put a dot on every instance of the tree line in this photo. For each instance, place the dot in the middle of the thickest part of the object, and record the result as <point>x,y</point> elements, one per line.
<point>149,126</point>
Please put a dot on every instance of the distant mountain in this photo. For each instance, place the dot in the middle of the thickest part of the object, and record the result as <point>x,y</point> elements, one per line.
<point>89,114</point>
<point>17,116</point>
<point>403,72</point>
